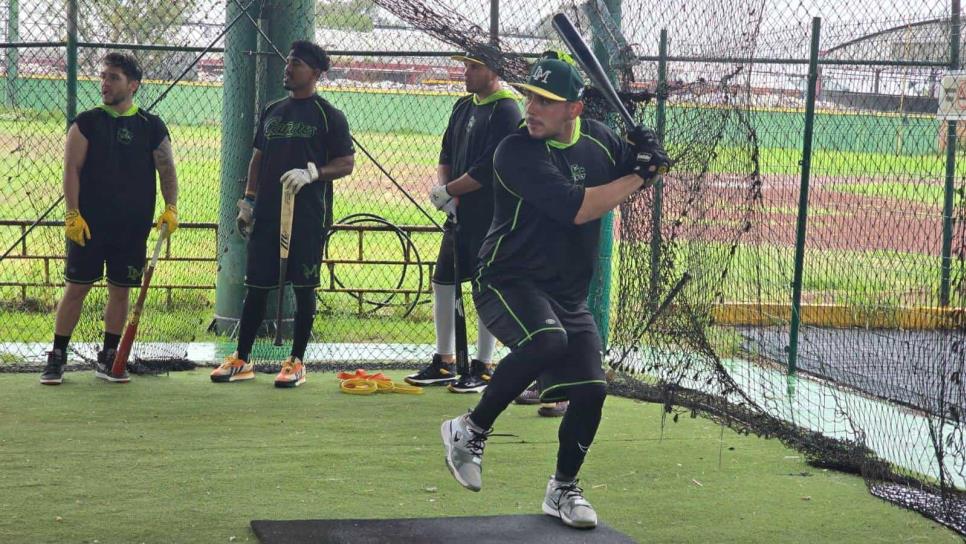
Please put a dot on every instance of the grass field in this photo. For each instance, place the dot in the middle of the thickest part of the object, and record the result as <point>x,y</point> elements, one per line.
<point>759,273</point>
<point>177,459</point>
<point>833,277</point>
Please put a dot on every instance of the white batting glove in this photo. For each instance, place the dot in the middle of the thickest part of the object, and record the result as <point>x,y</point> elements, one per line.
<point>297,178</point>
<point>442,200</point>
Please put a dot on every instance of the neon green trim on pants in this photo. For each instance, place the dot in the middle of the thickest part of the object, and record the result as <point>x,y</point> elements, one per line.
<point>529,334</point>
<point>545,397</point>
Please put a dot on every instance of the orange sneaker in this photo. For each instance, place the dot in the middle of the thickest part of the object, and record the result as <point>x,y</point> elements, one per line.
<point>292,373</point>
<point>233,370</point>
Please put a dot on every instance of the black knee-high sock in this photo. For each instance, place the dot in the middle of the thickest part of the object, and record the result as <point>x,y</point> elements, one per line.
<point>516,372</point>
<point>578,428</point>
<point>111,340</point>
<point>304,316</point>
<point>61,342</point>
<point>253,312</point>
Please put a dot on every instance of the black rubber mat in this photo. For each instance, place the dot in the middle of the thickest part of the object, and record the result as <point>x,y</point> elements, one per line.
<point>532,529</point>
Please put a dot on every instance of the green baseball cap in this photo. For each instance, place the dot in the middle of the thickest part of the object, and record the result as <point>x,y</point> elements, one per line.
<point>554,78</point>
<point>469,57</point>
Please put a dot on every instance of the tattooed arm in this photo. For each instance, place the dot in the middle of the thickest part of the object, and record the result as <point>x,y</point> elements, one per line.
<point>164,162</point>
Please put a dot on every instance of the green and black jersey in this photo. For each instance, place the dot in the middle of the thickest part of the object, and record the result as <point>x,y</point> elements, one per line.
<point>539,187</point>
<point>292,133</point>
<point>118,182</point>
<point>475,128</point>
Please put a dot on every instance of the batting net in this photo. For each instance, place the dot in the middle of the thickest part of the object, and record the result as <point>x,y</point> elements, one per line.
<point>832,322</point>
<point>864,372</point>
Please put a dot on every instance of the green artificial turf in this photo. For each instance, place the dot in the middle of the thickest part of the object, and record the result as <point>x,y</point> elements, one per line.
<point>179,459</point>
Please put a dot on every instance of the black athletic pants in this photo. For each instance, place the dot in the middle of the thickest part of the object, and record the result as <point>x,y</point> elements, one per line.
<point>525,364</point>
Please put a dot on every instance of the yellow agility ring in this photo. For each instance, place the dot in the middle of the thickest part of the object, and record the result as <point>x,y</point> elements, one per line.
<point>362,383</point>
<point>407,389</point>
<point>358,386</point>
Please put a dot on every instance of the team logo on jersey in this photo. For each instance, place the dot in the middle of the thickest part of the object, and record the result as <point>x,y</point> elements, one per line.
<point>578,173</point>
<point>470,123</point>
<point>133,273</point>
<point>124,136</point>
<point>310,271</point>
<point>275,129</point>
<point>541,75</point>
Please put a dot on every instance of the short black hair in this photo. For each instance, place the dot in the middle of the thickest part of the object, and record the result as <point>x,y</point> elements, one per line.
<point>311,54</point>
<point>127,63</point>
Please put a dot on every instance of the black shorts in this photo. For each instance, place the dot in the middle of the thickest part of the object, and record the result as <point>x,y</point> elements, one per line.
<point>124,250</point>
<point>516,313</point>
<point>304,259</point>
<point>469,248</point>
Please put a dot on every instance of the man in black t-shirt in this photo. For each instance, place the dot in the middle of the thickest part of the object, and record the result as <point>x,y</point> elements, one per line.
<point>302,144</point>
<point>553,180</point>
<point>478,123</point>
<point>111,156</point>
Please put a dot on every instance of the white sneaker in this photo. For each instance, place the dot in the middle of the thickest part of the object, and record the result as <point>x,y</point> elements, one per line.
<point>565,500</point>
<point>464,451</point>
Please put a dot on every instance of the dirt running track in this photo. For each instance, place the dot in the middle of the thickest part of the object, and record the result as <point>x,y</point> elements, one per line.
<point>837,220</point>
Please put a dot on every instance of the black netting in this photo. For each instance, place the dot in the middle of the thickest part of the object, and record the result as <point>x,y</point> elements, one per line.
<point>866,374</point>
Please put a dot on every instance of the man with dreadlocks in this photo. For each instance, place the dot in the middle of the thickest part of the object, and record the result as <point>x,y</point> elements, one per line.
<point>302,143</point>
<point>553,180</point>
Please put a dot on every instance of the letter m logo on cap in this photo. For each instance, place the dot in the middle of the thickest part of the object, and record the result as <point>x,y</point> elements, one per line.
<point>541,75</point>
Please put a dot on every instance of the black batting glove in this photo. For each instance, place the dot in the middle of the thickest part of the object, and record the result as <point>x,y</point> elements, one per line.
<point>651,158</point>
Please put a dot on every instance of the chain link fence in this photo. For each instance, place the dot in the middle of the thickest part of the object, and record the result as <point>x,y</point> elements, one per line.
<point>815,204</point>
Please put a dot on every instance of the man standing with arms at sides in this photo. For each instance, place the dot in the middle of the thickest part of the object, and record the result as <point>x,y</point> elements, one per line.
<point>554,179</point>
<point>110,159</point>
<point>302,143</point>
<point>478,123</point>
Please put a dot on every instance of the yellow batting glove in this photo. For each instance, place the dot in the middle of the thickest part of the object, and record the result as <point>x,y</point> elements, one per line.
<point>169,217</point>
<point>76,228</point>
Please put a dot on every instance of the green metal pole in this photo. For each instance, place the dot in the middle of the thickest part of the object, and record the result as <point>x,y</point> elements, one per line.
<point>238,126</point>
<point>660,122</point>
<point>599,299</point>
<point>946,262</point>
<point>803,203</point>
<point>71,110</point>
<point>262,83</point>
<point>296,22</point>
<point>495,23</point>
<point>13,53</point>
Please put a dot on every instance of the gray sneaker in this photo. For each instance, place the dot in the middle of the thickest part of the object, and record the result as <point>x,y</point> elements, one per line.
<point>566,501</point>
<point>464,451</point>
